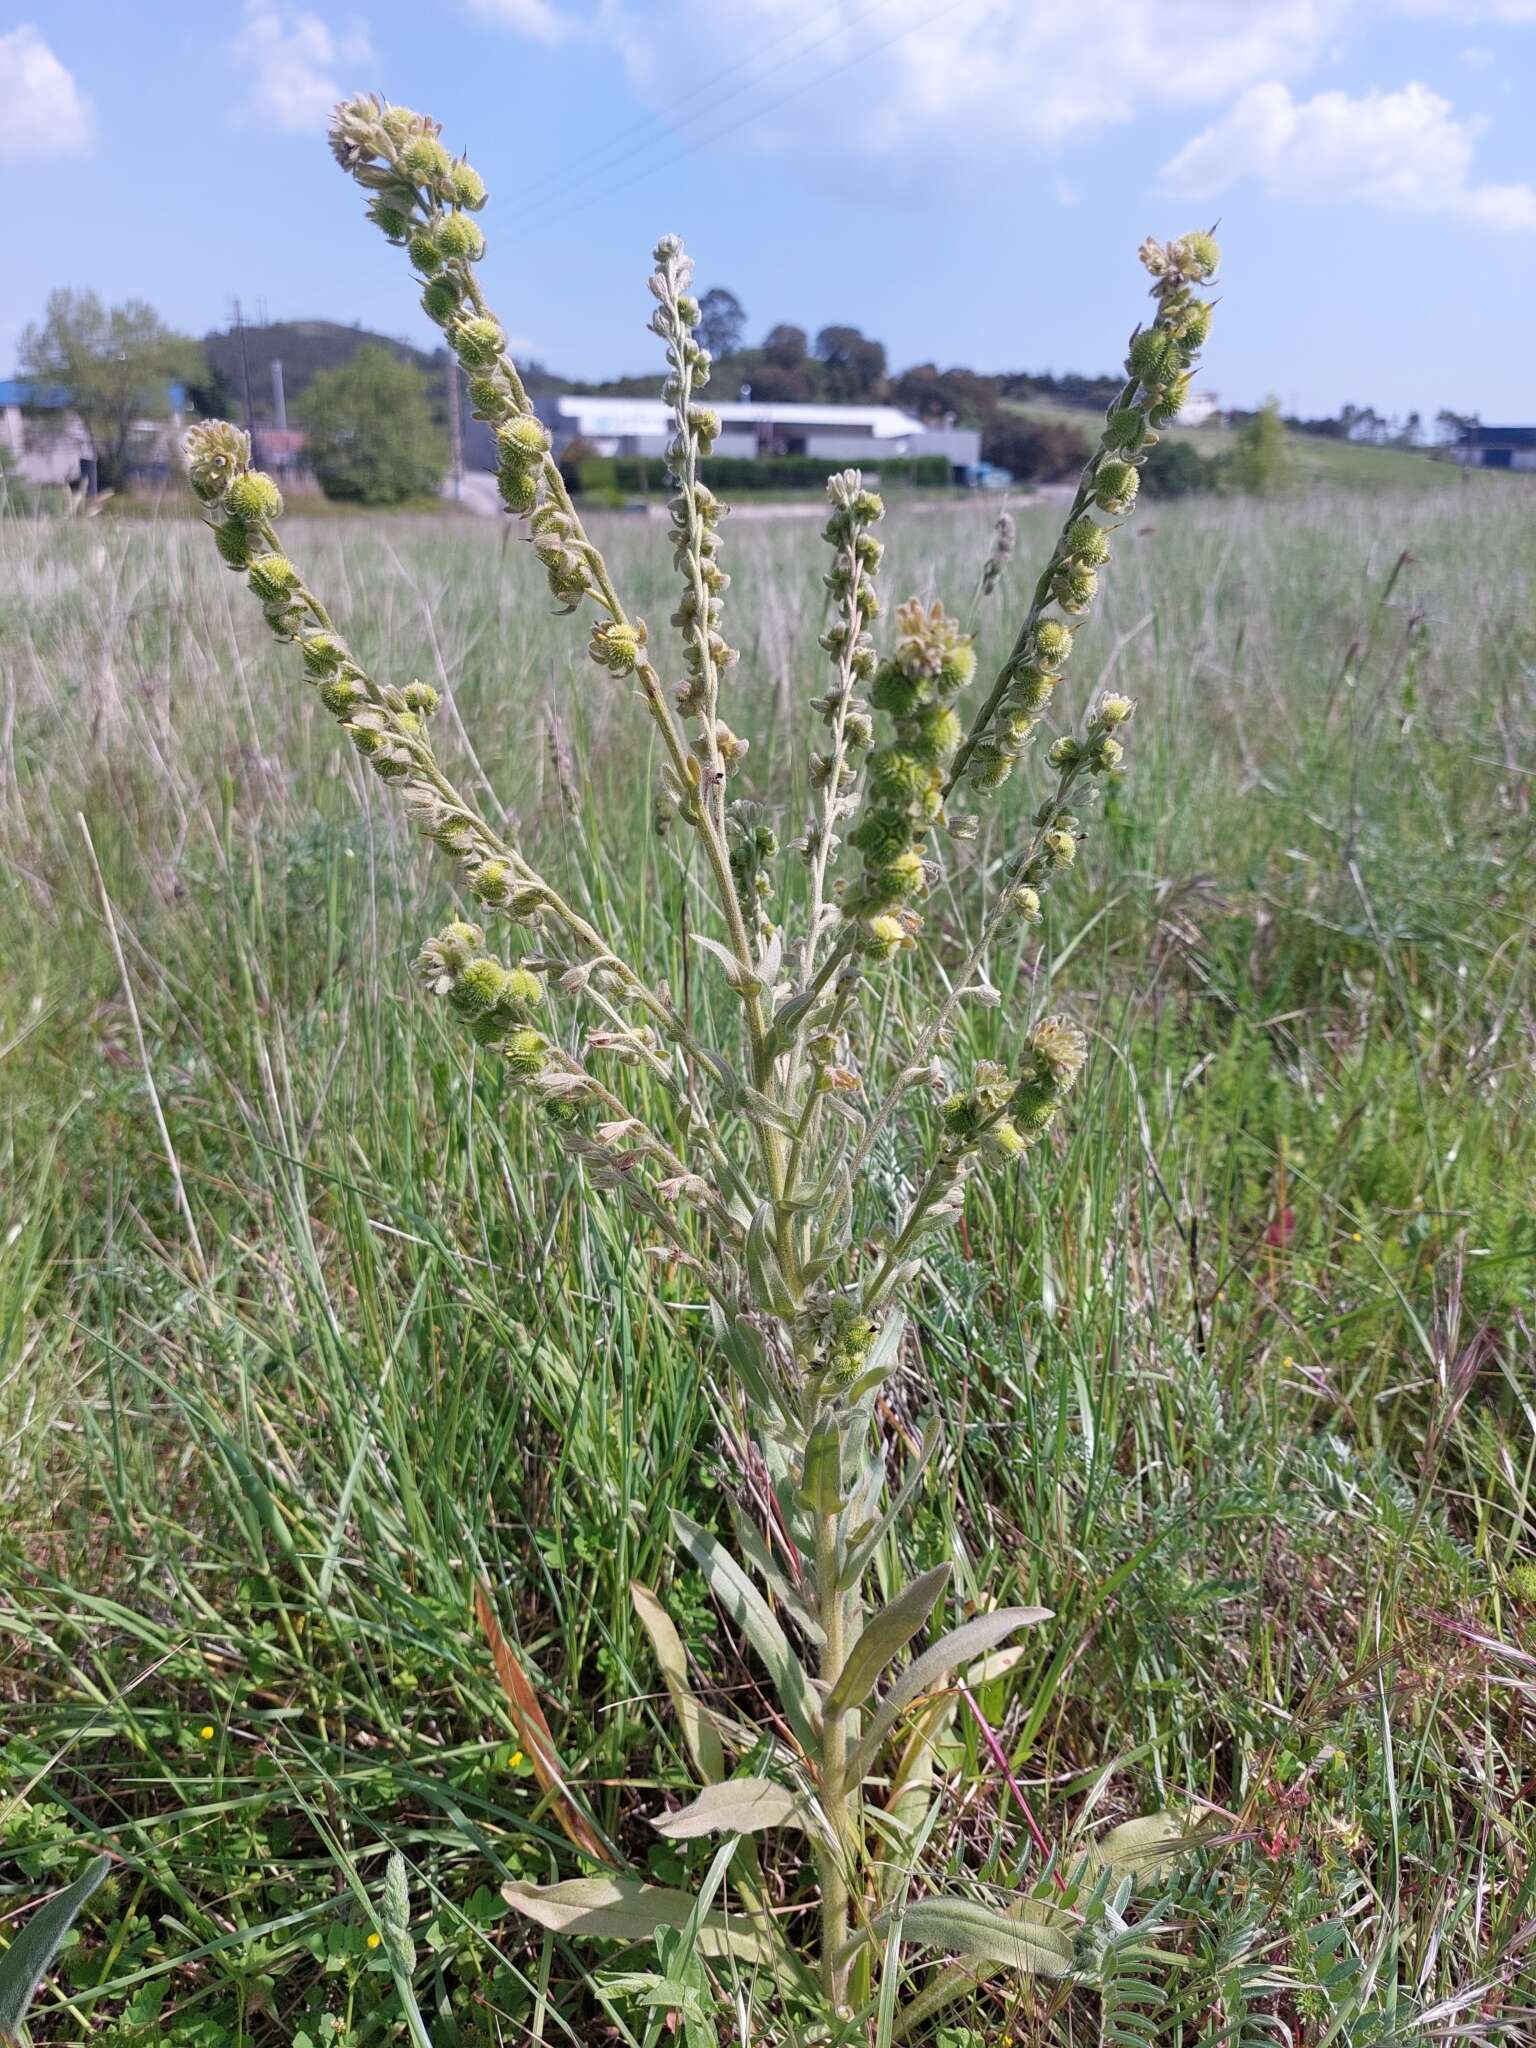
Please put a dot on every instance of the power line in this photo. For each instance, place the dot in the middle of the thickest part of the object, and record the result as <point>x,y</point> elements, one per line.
<point>557,183</point>
<point>770,106</point>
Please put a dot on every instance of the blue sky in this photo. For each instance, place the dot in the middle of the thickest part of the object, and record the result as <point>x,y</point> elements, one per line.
<point>966,179</point>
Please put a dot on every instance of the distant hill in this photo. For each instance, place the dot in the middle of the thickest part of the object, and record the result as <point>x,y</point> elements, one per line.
<point>304,347</point>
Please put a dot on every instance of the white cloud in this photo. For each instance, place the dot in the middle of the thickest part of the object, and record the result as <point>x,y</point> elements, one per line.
<point>535,18</point>
<point>292,59</point>
<point>42,110</point>
<point>1404,150</point>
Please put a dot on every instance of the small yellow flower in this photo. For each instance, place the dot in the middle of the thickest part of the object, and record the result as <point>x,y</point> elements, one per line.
<point>373,1940</point>
<point>514,1761</point>
<point>206,1732</point>
<point>1355,1237</point>
<point>1287,1361</point>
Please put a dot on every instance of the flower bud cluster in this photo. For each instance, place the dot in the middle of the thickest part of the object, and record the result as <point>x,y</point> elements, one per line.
<point>915,688</point>
<point>753,846</point>
<point>832,1335</point>
<point>1158,371</point>
<point>847,716</point>
<point>422,199</point>
<point>1004,535</point>
<point>496,1002</point>
<point>694,508</point>
<point>1000,1115</point>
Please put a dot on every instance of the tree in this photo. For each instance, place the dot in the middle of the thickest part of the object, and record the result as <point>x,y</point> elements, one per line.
<point>1175,469</point>
<point>786,347</point>
<point>117,363</point>
<point>722,321</point>
<point>1261,461</point>
<point>1034,449</point>
<point>855,365</point>
<point>372,436</point>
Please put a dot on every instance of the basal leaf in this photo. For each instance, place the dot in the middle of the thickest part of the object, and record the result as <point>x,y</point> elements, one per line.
<point>699,1732</point>
<point>618,1909</point>
<point>741,1806</point>
<point>972,1639</point>
<point>26,1962</point>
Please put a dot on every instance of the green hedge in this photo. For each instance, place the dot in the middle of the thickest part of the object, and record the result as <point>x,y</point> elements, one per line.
<point>638,476</point>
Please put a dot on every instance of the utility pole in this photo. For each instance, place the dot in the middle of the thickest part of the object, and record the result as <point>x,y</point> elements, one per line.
<point>455,426</point>
<point>245,370</point>
<point>279,398</point>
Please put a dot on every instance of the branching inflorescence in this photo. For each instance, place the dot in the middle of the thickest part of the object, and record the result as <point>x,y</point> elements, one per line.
<point>759,1192</point>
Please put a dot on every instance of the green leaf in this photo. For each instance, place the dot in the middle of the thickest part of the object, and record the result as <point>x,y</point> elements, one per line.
<point>741,1806</point>
<point>885,1636</point>
<point>821,1484</point>
<point>26,1962</point>
<point>972,1639</point>
<point>618,1909</point>
<point>863,1551</point>
<point>699,1732</point>
<point>1137,1846</point>
<point>965,1927</point>
<point>750,1612</point>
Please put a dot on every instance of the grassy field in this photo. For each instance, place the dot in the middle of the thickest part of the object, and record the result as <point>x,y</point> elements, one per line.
<point>1316,462</point>
<point>1238,1376</point>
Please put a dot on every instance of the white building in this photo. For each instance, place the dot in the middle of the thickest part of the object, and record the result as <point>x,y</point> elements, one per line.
<point>833,433</point>
<point>44,442</point>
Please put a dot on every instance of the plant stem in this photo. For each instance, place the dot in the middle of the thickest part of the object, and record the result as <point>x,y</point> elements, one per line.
<point>838,1854</point>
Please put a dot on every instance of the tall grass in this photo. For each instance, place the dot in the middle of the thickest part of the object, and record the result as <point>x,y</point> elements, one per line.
<point>1253,1413</point>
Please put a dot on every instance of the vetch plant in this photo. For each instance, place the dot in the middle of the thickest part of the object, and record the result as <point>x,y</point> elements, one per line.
<point>752,1179</point>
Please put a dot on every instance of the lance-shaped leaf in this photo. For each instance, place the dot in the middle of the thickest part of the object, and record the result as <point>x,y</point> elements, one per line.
<point>533,1732</point>
<point>27,1960</point>
<point>972,1639</point>
<point>741,1806</point>
<point>885,1636</point>
<point>1026,1939</point>
<point>750,1612</point>
<point>618,1909</point>
<point>699,1732</point>
<point>1137,1846</point>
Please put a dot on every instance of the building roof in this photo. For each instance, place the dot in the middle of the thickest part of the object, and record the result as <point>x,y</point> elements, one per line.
<point>595,415</point>
<point>23,391</point>
<point>1496,437</point>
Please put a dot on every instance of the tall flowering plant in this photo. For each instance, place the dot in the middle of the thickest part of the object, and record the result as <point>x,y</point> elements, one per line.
<point>753,1178</point>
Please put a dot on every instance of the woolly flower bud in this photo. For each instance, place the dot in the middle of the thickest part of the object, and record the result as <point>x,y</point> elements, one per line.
<point>1115,486</point>
<point>425,160</point>
<point>526,1054</point>
<point>1195,325</point>
<point>216,453</point>
<point>394,224</point>
<point>1058,1046</point>
<point>424,252</point>
<point>479,987</point>
<point>881,937</point>
<point>617,648</point>
<point>233,543</point>
<point>1197,255</point>
<point>467,186</point>
<point>342,695</point>
<point>989,766</point>
<point>1051,643</point>
<point>1153,356</point>
<point>1113,710</point>
<point>1074,586</point>
<point>519,489</point>
<point>422,698</point>
<point>253,499</point>
<point>1024,902</point>
<point>1125,428</point>
<point>322,654</point>
<point>1087,542</point>
<point>459,240</point>
<point>272,577</point>
<point>1060,848</point>
<point>478,342</point>
<point>1105,755</point>
<point>440,300</point>
<point>895,692</point>
<point>1002,1140</point>
<point>523,440</point>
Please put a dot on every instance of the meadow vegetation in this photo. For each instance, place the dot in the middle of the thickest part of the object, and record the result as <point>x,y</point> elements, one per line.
<point>1248,1406</point>
<point>725,1295</point>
